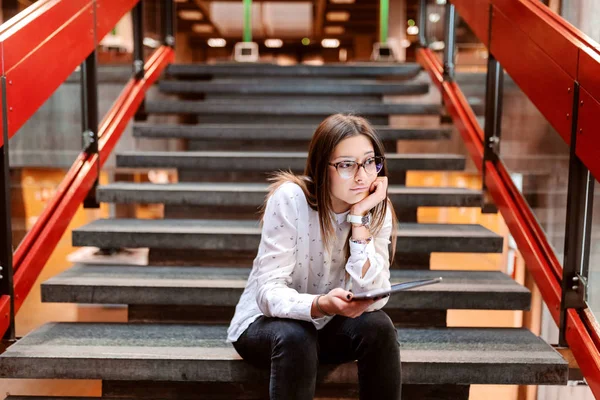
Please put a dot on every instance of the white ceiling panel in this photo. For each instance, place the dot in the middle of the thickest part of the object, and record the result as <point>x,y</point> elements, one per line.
<point>268,19</point>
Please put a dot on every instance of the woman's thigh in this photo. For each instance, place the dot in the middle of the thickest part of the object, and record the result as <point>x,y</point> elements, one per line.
<point>341,338</point>
<point>267,335</point>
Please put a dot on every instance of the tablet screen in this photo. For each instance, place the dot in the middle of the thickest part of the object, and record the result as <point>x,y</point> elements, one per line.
<point>381,293</point>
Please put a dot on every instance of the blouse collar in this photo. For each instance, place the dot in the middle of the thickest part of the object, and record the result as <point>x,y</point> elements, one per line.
<point>341,218</point>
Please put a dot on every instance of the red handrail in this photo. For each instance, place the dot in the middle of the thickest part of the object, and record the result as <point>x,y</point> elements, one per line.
<point>39,48</point>
<point>39,243</point>
<point>545,55</point>
<point>531,242</point>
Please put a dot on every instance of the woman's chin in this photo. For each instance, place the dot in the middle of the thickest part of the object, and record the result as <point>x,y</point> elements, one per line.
<point>358,198</point>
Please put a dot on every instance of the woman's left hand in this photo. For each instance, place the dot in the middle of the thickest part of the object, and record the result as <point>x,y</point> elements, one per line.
<point>378,194</point>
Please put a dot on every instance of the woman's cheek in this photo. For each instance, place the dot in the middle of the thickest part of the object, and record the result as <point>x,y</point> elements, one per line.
<point>361,197</point>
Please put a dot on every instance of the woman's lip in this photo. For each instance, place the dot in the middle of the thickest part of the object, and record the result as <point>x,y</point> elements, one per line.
<point>359,189</point>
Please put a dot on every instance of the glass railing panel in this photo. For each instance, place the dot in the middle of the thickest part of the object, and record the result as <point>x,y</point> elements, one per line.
<point>584,15</point>
<point>593,269</point>
<point>538,159</point>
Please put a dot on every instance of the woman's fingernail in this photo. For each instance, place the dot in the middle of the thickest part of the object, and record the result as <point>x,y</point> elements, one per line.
<point>349,296</point>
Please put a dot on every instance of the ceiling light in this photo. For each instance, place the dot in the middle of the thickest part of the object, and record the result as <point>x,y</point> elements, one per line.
<point>338,16</point>
<point>190,15</point>
<point>306,41</point>
<point>217,42</point>
<point>437,45</point>
<point>334,30</point>
<point>330,43</point>
<point>434,17</point>
<point>274,43</point>
<point>150,42</point>
<point>342,1</point>
<point>202,28</point>
<point>440,2</point>
<point>412,30</point>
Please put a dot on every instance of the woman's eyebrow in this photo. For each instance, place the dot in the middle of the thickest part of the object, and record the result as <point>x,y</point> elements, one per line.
<point>368,152</point>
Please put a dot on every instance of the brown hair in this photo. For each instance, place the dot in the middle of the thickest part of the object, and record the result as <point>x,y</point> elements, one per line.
<point>315,181</point>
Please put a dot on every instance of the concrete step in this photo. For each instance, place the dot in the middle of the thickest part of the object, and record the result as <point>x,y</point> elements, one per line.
<point>253,86</point>
<point>274,131</point>
<point>217,286</point>
<point>253,195</point>
<point>235,235</point>
<point>192,352</point>
<point>262,161</point>
<point>294,107</point>
<point>403,70</point>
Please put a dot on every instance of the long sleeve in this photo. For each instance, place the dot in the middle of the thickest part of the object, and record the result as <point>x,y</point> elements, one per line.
<point>378,255</point>
<point>278,259</point>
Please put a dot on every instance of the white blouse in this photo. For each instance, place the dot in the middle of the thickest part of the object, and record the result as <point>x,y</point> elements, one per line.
<point>292,266</point>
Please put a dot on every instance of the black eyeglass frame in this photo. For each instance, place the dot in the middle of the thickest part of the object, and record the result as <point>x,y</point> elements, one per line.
<point>359,165</point>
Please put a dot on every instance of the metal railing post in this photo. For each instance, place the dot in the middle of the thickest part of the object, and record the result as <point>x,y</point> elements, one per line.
<point>169,23</point>
<point>422,23</point>
<point>450,42</point>
<point>89,117</point>
<point>580,199</point>
<point>384,14</point>
<point>493,123</point>
<point>137,16</point>
<point>6,251</point>
<point>247,31</point>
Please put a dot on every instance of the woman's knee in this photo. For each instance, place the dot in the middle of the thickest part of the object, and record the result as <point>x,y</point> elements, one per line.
<point>377,328</point>
<point>296,339</point>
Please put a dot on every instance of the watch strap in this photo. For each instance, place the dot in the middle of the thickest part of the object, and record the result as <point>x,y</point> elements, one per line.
<point>359,219</point>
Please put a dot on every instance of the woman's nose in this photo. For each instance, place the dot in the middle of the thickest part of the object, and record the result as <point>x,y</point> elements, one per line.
<point>361,174</point>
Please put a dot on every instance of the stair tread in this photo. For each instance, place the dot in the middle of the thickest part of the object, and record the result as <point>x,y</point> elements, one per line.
<point>175,352</point>
<point>127,284</point>
<point>340,70</point>
<point>253,194</point>
<point>287,107</point>
<point>237,235</point>
<point>274,131</point>
<point>254,86</point>
<point>271,161</point>
<point>236,227</point>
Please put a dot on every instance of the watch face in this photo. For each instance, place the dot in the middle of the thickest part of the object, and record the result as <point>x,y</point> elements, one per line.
<point>366,220</point>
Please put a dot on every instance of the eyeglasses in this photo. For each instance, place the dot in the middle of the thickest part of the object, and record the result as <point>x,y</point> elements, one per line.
<point>348,169</point>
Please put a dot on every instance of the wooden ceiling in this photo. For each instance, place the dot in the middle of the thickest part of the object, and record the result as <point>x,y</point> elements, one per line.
<point>358,18</point>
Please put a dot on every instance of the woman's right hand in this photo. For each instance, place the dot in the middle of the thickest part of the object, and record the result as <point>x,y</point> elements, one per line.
<point>339,301</point>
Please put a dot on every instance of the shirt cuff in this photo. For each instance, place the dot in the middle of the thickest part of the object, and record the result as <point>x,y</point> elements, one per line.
<point>359,254</point>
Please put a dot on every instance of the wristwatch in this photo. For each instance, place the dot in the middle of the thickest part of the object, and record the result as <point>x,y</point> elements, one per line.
<point>359,220</point>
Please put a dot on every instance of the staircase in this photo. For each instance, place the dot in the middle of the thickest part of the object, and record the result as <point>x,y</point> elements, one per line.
<point>240,123</point>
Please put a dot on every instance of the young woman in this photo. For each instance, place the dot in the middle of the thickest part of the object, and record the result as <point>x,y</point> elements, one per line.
<point>325,237</point>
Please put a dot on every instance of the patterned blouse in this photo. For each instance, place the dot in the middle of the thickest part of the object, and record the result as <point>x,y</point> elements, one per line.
<point>292,266</point>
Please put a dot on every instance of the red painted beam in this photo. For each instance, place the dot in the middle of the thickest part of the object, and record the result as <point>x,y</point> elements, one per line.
<point>539,257</point>
<point>545,55</point>
<point>585,350</point>
<point>41,47</point>
<point>109,12</point>
<point>40,241</point>
<point>476,14</point>
<point>588,136</point>
<point>546,84</point>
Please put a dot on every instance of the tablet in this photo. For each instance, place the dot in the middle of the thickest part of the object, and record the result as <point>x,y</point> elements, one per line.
<point>381,293</point>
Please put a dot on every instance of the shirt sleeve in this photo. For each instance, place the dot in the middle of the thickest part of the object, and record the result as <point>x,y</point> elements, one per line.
<point>277,259</point>
<point>378,254</point>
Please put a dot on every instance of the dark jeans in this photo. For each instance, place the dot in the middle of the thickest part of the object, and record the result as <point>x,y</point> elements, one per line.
<point>292,349</point>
